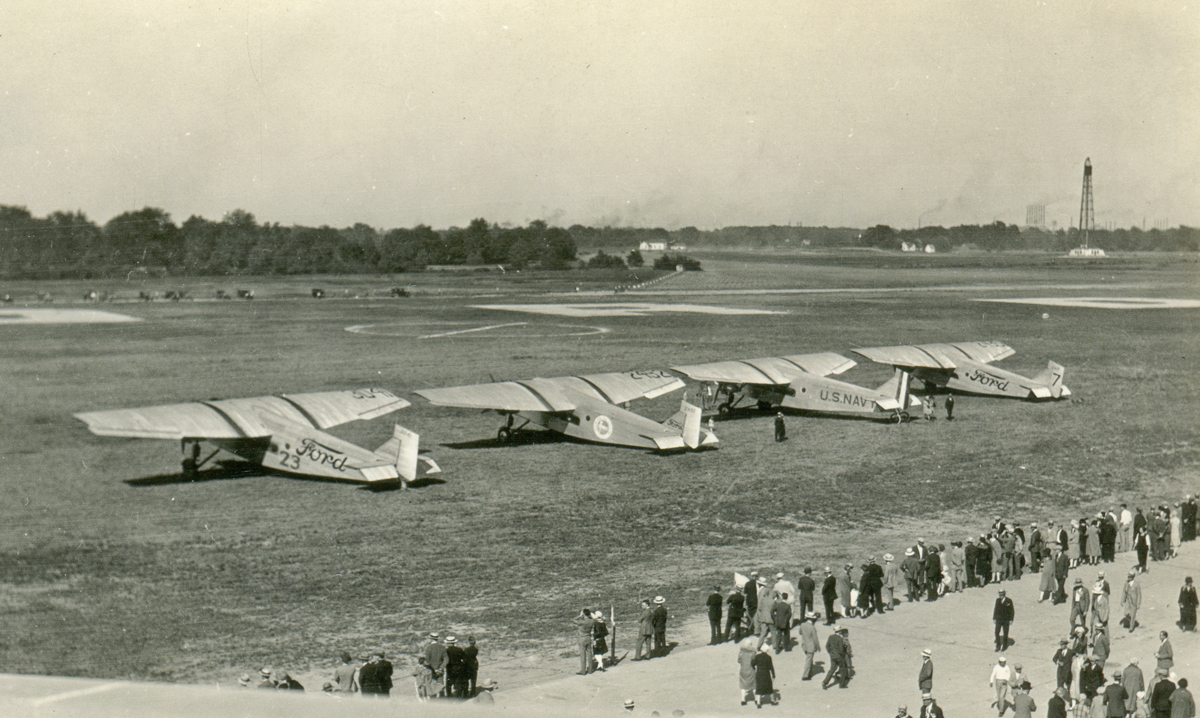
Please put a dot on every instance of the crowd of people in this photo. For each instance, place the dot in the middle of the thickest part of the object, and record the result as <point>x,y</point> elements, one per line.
<point>444,670</point>
<point>760,614</point>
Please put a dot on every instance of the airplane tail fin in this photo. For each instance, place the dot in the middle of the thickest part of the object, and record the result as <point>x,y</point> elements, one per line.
<point>687,422</point>
<point>1052,377</point>
<point>401,449</point>
<point>894,393</point>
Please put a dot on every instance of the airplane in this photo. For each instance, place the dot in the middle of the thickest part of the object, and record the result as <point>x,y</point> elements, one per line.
<point>966,367</point>
<point>586,408</point>
<point>800,382</point>
<point>282,432</point>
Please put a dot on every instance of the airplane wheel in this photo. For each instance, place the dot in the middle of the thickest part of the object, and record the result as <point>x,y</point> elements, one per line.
<point>724,411</point>
<point>190,471</point>
<point>905,417</point>
<point>505,434</point>
<point>764,406</point>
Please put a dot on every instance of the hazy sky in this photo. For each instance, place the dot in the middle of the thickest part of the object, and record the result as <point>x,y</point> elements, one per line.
<point>624,113</point>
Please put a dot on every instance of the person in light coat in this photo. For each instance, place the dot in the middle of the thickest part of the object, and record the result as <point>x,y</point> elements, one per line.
<point>810,643</point>
<point>1131,598</point>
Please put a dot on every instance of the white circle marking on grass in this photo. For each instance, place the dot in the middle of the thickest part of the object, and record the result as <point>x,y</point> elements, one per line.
<point>1103,302</point>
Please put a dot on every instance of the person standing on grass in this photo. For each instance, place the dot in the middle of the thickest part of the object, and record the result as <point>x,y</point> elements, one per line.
<point>435,657</point>
<point>715,604</point>
<point>645,633</point>
<point>375,677</point>
<point>733,616</point>
<point>911,568</point>
<point>345,678</point>
<point>780,428</point>
<point>949,407</point>
<point>583,636</point>
<point>456,668</point>
<point>660,625</point>
<point>471,654</point>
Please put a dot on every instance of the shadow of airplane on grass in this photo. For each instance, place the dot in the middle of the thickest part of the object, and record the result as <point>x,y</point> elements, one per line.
<point>234,469</point>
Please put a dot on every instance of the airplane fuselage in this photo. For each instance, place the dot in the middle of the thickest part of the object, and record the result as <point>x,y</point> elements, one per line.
<point>825,396</point>
<point>975,378</point>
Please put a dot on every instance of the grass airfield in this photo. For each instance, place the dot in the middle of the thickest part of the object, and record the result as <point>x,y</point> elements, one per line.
<point>111,572</point>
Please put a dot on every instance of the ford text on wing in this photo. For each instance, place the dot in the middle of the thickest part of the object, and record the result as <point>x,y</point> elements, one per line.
<point>966,367</point>
<point>586,408</point>
<point>282,432</point>
<point>799,382</point>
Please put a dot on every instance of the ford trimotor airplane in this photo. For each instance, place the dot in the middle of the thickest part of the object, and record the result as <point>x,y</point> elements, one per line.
<point>966,367</point>
<point>280,432</point>
<point>586,408</point>
<point>799,382</point>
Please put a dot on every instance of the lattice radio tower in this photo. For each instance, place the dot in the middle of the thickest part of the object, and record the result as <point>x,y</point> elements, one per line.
<point>1087,212</point>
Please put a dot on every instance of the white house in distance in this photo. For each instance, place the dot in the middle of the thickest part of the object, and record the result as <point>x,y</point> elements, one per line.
<point>652,247</point>
<point>916,247</point>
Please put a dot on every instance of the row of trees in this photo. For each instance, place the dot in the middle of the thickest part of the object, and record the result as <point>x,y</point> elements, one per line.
<point>1001,236</point>
<point>71,245</point>
<point>68,244</point>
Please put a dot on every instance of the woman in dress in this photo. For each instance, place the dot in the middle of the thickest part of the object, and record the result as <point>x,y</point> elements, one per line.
<point>764,675</point>
<point>1187,605</point>
<point>1073,543</point>
<point>1176,531</point>
<point>1093,542</point>
<point>746,650</point>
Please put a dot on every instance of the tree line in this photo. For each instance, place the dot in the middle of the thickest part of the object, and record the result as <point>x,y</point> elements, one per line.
<point>70,245</point>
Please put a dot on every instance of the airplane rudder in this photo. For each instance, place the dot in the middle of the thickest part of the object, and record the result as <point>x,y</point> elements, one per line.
<point>691,424</point>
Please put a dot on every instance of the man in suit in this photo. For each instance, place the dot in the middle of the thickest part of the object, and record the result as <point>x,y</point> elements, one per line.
<point>750,590</point>
<point>925,677</point>
<point>929,707</point>
<point>1057,707</point>
<point>456,669</point>
<point>1164,654</point>
<point>715,603</point>
<point>810,643</point>
<point>829,596</point>
<point>1003,614</point>
<point>873,583</point>
<point>583,636</point>
<point>435,658</point>
<point>807,588</point>
<point>733,616</point>
<point>645,632</point>
<point>660,625</point>
<point>781,621</point>
<point>1160,699</point>
<point>375,677</point>
<point>838,649</point>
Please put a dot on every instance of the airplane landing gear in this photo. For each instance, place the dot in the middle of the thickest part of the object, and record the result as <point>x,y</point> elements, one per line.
<point>191,464</point>
<point>764,405</point>
<point>902,417</point>
<point>505,434</point>
<point>725,410</point>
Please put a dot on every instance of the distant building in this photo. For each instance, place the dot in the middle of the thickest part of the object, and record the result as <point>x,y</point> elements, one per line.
<point>652,247</point>
<point>909,247</point>
<point>930,249</point>
<point>1035,215</point>
<point>1087,252</point>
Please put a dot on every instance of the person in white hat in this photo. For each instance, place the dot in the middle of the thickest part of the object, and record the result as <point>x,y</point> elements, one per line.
<point>1001,675</point>
<point>892,580</point>
<point>660,625</point>
<point>925,677</point>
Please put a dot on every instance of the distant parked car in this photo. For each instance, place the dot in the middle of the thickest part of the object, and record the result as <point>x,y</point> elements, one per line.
<point>318,293</point>
<point>222,294</point>
<point>400,292</point>
<point>245,294</point>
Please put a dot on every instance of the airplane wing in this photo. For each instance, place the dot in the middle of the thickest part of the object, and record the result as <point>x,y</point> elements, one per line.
<point>937,356</point>
<point>242,418</point>
<point>770,370</point>
<point>554,395</point>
